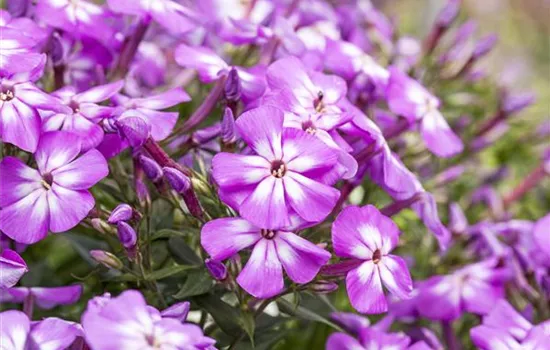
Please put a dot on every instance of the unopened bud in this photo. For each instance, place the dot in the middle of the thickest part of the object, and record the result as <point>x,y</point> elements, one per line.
<point>457,220</point>
<point>142,194</point>
<point>57,49</point>
<point>200,186</point>
<point>18,8</point>
<point>107,259</point>
<point>216,269</point>
<point>126,234</point>
<point>232,87</point>
<point>123,212</point>
<point>178,311</point>
<point>483,46</point>
<point>448,14</point>
<point>151,168</point>
<point>450,175</point>
<point>228,127</point>
<point>134,129</point>
<point>178,180</point>
<point>323,287</point>
<point>515,103</point>
<point>99,225</point>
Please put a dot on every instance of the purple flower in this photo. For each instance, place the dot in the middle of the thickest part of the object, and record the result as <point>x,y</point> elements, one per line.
<point>79,16</point>
<point>15,51</point>
<point>369,338</point>
<point>83,113</point>
<point>174,17</point>
<point>45,298</point>
<point>272,251</point>
<point>283,179</point>
<point>541,235</point>
<point>12,267</point>
<point>475,288</point>
<point>367,237</point>
<point>19,333</point>
<point>126,322</point>
<point>55,196</point>
<point>178,311</point>
<point>408,98</point>
<point>311,102</point>
<point>20,122</point>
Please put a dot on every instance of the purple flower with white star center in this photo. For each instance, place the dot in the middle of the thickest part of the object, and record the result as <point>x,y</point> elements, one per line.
<point>283,180</point>
<point>83,113</point>
<point>406,97</point>
<point>20,122</point>
<point>55,196</point>
<point>273,251</point>
<point>367,237</point>
<point>127,322</point>
<point>19,333</point>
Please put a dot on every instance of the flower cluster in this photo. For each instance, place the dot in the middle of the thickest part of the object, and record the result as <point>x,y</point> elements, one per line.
<point>212,167</point>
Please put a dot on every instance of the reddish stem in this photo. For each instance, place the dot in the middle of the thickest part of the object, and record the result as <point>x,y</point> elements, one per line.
<point>527,184</point>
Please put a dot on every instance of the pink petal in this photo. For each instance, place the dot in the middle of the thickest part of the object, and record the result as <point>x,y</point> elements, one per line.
<point>541,234</point>
<point>47,298</point>
<point>488,338</point>
<point>223,238</point>
<point>290,73</point>
<point>20,125</point>
<point>342,341</point>
<point>333,87</point>
<point>68,207</point>
<point>300,258</point>
<point>54,333</point>
<point>262,276</point>
<point>17,180</point>
<point>33,96</point>
<point>172,18</point>
<point>90,133</point>
<point>439,137</point>
<point>26,221</point>
<point>12,267</point>
<point>505,317</point>
<point>130,7</point>
<point>99,93</point>
<point>14,329</point>
<point>395,276</point>
<point>305,153</point>
<point>163,100</point>
<point>208,64</point>
<point>56,149</point>
<point>261,129</point>
<point>162,123</point>
<point>266,206</point>
<point>471,300</point>
<point>82,173</point>
<point>312,200</point>
<point>346,238</point>
<point>365,289</point>
<point>236,170</point>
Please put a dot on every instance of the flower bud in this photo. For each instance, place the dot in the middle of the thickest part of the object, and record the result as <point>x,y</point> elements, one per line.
<point>228,127</point>
<point>178,311</point>
<point>126,234</point>
<point>123,212</point>
<point>323,287</point>
<point>142,193</point>
<point>151,168</point>
<point>178,180</point>
<point>100,225</point>
<point>457,220</point>
<point>450,175</point>
<point>134,129</point>
<point>232,88</point>
<point>448,14</point>
<point>216,269</point>
<point>57,50</point>
<point>106,259</point>
<point>483,46</point>
<point>515,103</point>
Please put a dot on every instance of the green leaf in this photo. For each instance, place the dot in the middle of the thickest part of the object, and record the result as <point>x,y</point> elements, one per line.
<point>168,271</point>
<point>303,313</point>
<point>225,316</point>
<point>248,324</point>
<point>167,233</point>
<point>182,253</point>
<point>197,283</point>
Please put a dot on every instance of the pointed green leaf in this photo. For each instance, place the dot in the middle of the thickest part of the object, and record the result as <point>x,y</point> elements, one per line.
<point>197,283</point>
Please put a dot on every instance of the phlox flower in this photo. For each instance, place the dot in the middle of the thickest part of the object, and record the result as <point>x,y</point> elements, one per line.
<point>44,297</point>
<point>55,196</point>
<point>12,267</point>
<point>283,179</point>
<point>273,251</point>
<point>367,237</point>
<point>127,322</point>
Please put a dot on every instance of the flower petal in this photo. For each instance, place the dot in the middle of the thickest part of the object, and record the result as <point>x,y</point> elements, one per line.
<point>54,333</point>
<point>47,298</point>
<point>26,221</point>
<point>55,149</point>
<point>99,93</point>
<point>14,329</point>
<point>342,341</point>
<point>261,128</point>
<point>163,100</point>
<point>17,180</point>
<point>82,173</point>
<point>439,137</point>
<point>395,276</point>
<point>223,238</point>
<point>300,258</point>
<point>365,289</point>
<point>12,267</point>
<point>262,276</point>
<point>235,170</point>
<point>312,200</point>
<point>305,153</point>
<point>266,206</point>
<point>208,64</point>
<point>20,125</point>
<point>68,207</point>
<point>346,238</point>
